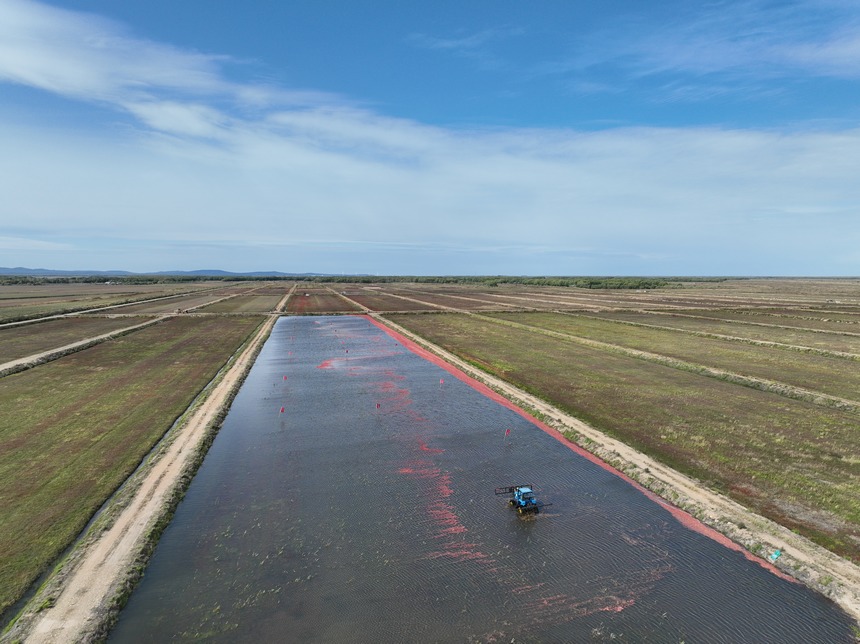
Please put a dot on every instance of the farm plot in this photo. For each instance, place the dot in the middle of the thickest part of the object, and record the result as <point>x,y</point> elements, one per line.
<point>244,304</point>
<point>37,300</point>
<point>463,300</point>
<point>826,374</point>
<point>787,459</point>
<point>278,290</point>
<point>828,315</point>
<point>699,324</point>
<point>172,304</point>
<point>779,291</point>
<point>790,318</point>
<point>471,299</point>
<point>378,301</point>
<point>25,340</point>
<point>311,301</point>
<point>71,431</point>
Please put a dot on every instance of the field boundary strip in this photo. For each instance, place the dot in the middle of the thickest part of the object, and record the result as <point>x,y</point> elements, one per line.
<point>751,323</point>
<point>762,384</point>
<point>720,336</point>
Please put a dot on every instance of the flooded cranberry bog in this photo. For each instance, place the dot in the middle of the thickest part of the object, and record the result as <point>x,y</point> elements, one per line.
<point>349,497</point>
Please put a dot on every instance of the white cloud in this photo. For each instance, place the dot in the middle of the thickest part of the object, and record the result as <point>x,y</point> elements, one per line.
<point>86,56</point>
<point>750,42</point>
<point>465,44</point>
<point>19,244</point>
<point>186,119</point>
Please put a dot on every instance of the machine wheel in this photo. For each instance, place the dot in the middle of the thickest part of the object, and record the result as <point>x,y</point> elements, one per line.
<point>520,510</point>
<point>511,502</point>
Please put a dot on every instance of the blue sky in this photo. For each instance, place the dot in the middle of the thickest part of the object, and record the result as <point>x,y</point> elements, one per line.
<point>527,138</point>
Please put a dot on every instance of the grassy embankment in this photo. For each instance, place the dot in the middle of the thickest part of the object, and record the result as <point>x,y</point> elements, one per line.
<point>792,460</point>
<point>71,431</point>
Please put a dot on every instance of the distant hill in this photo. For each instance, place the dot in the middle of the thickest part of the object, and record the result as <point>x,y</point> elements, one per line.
<point>47,272</point>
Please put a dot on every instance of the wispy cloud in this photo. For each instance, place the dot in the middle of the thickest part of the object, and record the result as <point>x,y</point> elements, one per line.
<point>478,46</point>
<point>754,37</point>
<point>725,47</point>
<point>464,43</point>
<point>85,56</point>
<point>19,244</point>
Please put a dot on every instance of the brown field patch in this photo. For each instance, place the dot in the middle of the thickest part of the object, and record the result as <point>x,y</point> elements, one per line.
<point>244,304</point>
<point>312,301</point>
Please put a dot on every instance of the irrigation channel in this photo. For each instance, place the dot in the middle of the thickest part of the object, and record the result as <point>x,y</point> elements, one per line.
<point>349,498</point>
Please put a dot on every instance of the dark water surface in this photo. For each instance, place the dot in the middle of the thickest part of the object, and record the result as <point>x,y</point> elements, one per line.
<point>365,513</point>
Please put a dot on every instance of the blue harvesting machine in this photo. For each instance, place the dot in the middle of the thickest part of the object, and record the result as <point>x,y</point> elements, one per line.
<point>522,497</point>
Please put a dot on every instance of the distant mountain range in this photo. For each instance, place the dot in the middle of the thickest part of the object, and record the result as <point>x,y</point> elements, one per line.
<point>47,272</point>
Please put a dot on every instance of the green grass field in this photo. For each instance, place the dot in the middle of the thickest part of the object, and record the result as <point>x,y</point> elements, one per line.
<point>798,337</point>
<point>825,374</point>
<point>24,302</point>
<point>28,339</point>
<point>71,431</point>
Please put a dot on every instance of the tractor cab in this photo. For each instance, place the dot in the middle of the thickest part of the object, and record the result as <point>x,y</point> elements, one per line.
<point>522,498</point>
<point>525,495</point>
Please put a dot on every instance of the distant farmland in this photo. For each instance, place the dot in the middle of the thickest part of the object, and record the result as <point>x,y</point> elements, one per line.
<point>751,386</point>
